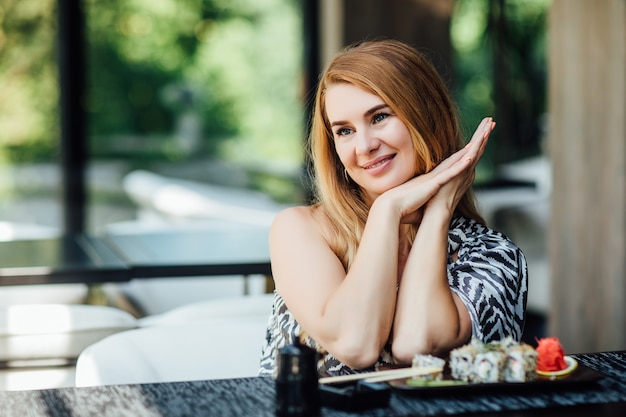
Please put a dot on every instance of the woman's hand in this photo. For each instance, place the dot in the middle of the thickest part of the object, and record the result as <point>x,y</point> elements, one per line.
<point>450,193</point>
<point>445,184</point>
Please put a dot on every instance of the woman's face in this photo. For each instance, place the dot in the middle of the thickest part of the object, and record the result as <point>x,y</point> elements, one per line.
<point>373,144</point>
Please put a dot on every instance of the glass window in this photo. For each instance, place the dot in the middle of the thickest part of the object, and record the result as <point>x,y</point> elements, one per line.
<point>29,121</point>
<point>207,92</point>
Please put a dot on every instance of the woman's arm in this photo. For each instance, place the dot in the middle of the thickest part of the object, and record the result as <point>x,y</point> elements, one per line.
<point>351,314</point>
<point>429,317</point>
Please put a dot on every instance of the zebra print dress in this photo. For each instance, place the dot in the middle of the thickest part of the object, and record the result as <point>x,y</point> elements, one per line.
<point>490,276</point>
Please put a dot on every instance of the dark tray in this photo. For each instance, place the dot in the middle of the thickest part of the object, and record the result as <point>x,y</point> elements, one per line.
<point>355,396</point>
<point>581,376</point>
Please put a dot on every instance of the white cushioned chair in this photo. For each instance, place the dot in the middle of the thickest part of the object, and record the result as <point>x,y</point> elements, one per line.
<point>39,343</point>
<point>56,331</point>
<point>219,338</point>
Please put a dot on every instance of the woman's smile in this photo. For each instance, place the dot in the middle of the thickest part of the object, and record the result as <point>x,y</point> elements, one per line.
<point>378,163</point>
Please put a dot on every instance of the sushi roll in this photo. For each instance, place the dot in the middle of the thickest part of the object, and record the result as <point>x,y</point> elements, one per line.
<point>429,361</point>
<point>462,362</point>
<point>501,361</point>
<point>521,363</point>
<point>489,364</point>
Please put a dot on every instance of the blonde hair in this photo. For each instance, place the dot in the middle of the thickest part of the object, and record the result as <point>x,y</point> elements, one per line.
<point>406,81</point>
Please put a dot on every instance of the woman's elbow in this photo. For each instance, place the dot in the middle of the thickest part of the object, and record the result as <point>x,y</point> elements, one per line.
<point>358,356</point>
<point>403,351</point>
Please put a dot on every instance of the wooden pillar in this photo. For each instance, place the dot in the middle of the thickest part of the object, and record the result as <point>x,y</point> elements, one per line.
<point>587,147</point>
<point>425,24</point>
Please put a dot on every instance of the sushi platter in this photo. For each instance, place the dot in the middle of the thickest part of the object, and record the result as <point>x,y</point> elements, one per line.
<point>504,364</point>
<point>580,375</point>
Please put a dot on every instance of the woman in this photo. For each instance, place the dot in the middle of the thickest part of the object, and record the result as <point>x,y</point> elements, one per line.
<point>393,259</point>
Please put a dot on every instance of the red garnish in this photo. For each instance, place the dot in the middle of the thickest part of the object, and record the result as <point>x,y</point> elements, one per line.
<point>550,355</point>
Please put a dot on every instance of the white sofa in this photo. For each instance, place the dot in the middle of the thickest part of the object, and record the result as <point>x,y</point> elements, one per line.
<point>172,198</point>
<point>214,339</point>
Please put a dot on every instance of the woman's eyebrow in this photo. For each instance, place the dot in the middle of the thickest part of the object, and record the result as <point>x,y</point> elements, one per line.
<point>369,112</point>
<point>375,109</point>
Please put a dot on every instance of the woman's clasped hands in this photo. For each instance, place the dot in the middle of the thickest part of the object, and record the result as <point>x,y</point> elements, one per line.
<point>442,187</point>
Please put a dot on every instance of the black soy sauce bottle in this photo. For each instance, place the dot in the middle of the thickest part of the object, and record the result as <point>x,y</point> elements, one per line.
<point>297,388</point>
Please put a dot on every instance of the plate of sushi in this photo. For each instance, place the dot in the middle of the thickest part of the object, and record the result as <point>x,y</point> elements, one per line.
<point>496,365</point>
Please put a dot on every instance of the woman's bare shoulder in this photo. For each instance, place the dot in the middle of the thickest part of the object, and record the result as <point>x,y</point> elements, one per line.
<point>303,221</point>
<point>293,216</point>
<point>300,217</point>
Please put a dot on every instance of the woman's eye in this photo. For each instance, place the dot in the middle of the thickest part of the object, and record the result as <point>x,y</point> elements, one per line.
<point>343,131</point>
<point>380,117</point>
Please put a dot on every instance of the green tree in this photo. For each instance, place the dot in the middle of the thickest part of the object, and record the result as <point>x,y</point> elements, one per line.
<point>155,65</point>
<point>29,126</point>
<point>501,71</point>
<point>225,73</point>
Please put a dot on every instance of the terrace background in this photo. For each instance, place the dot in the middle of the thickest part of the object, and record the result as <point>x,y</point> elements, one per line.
<point>218,91</point>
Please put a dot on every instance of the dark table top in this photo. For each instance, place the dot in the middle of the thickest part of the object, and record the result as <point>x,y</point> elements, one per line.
<point>256,397</point>
<point>67,259</point>
<point>122,257</point>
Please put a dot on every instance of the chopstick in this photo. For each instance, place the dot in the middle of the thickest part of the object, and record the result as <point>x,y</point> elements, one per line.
<point>380,376</point>
<point>409,372</point>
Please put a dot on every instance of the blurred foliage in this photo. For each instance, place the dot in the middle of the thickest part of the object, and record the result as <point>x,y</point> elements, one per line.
<point>174,80</point>
<point>500,70</point>
<point>167,80</point>
<point>187,78</point>
<point>29,126</point>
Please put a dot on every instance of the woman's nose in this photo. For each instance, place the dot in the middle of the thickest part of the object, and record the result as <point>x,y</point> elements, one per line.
<point>366,142</point>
